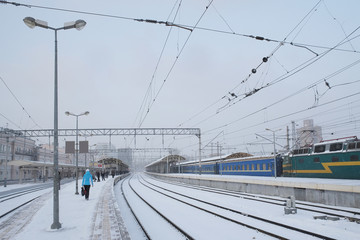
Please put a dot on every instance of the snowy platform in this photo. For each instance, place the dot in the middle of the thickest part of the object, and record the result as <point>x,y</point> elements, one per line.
<point>337,192</point>
<point>96,218</point>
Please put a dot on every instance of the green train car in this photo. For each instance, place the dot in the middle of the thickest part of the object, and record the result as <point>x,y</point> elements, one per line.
<point>339,158</point>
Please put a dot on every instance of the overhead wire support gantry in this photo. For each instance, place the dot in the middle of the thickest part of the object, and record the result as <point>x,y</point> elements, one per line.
<point>111,131</point>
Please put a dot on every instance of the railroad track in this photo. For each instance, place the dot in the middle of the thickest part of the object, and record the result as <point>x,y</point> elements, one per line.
<point>351,215</point>
<point>9,196</point>
<point>26,196</point>
<point>148,233</point>
<point>17,207</point>
<point>225,215</point>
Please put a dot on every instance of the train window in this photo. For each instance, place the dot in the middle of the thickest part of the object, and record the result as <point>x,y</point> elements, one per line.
<point>336,147</point>
<point>258,166</point>
<point>264,166</point>
<point>316,159</point>
<point>351,145</point>
<point>358,145</point>
<point>319,148</point>
<point>252,167</point>
<point>301,160</point>
<point>296,151</point>
<point>354,158</point>
<point>335,159</point>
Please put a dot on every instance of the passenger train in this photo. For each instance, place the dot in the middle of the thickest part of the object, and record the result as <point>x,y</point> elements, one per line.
<point>250,166</point>
<point>339,159</point>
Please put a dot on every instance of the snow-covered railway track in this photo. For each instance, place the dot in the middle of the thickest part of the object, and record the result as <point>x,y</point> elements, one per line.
<point>12,200</point>
<point>8,211</point>
<point>349,214</point>
<point>278,230</point>
<point>12,195</point>
<point>148,214</point>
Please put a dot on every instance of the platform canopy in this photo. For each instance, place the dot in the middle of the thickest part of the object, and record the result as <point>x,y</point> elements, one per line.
<point>168,159</point>
<point>26,163</point>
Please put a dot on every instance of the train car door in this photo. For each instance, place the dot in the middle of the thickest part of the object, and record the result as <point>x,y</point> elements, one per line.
<point>216,168</point>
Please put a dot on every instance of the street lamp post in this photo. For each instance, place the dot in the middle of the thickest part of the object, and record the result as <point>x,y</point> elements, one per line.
<point>273,131</point>
<point>93,167</point>
<point>79,24</point>
<point>77,146</point>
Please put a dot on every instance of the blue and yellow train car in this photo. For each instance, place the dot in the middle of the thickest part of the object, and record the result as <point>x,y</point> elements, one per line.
<point>339,158</point>
<point>249,166</point>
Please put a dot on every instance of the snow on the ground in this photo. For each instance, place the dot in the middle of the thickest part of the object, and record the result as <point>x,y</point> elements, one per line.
<point>75,213</point>
<point>97,218</point>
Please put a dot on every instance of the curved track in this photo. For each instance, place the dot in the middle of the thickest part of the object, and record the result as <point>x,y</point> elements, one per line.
<point>243,223</point>
<point>346,213</point>
<point>173,231</point>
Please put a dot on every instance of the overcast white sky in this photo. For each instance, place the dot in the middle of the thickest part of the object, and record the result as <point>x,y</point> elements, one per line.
<point>110,69</point>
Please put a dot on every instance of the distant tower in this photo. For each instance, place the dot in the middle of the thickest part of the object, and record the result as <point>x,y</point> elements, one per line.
<point>309,134</point>
<point>294,143</point>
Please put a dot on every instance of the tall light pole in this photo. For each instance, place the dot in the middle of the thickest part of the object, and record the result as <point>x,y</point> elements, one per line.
<point>273,131</point>
<point>93,167</point>
<point>79,24</point>
<point>77,145</point>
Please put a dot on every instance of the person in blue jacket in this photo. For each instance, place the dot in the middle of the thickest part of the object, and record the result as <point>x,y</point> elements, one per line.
<point>87,179</point>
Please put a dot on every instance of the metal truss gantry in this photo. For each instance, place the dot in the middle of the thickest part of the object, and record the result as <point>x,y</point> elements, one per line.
<point>112,132</point>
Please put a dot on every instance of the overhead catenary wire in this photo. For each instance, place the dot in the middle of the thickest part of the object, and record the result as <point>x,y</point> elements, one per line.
<point>285,76</point>
<point>173,65</point>
<point>167,23</point>
<point>253,71</point>
<point>204,133</point>
<point>20,104</point>
<point>148,94</point>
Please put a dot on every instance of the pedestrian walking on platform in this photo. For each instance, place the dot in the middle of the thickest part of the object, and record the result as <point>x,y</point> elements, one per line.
<point>86,181</point>
<point>98,176</point>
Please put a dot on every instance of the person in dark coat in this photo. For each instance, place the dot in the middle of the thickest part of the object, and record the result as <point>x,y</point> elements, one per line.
<point>86,181</point>
<point>98,176</point>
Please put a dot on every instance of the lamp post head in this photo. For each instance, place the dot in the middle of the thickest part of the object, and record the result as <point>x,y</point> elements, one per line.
<point>86,113</point>
<point>80,24</point>
<point>268,129</point>
<point>32,22</point>
<point>67,113</point>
